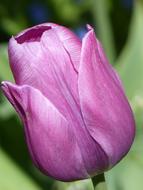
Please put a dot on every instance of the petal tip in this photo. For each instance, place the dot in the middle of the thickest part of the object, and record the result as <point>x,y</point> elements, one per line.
<point>3,85</point>
<point>89,27</point>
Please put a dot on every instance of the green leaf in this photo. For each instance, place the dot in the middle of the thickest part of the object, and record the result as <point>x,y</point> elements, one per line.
<point>5,72</point>
<point>128,174</point>
<point>130,64</point>
<point>100,11</point>
<point>6,109</point>
<point>12,177</point>
<point>12,26</point>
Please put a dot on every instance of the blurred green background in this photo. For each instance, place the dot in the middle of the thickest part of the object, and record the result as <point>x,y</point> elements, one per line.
<point>119,26</point>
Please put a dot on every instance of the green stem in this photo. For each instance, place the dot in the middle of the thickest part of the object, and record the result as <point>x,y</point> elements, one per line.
<point>99,182</point>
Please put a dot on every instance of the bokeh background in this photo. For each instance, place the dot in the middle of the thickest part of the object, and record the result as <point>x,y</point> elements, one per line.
<point>119,26</point>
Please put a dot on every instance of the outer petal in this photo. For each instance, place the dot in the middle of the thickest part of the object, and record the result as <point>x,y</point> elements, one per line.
<point>51,142</point>
<point>41,57</point>
<point>70,41</point>
<point>106,112</point>
<point>104,59</point>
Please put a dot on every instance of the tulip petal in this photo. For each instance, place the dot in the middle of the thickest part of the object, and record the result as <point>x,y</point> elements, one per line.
<point>106,112</point>
<point>71,43</point>
<point>50,138</point>
<point>104,59</point>
<point>40,57</point>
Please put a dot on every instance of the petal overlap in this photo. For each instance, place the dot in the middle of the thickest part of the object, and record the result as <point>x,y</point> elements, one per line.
<point>50,138</point>
<point>110,120</point>
<point>77,120</point>
<point>34,57</point>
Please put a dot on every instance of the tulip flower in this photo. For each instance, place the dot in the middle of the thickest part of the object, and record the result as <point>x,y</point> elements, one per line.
<point>77,120</point>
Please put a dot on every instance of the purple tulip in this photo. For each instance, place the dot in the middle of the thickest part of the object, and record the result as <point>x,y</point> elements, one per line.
<point>78,122</point>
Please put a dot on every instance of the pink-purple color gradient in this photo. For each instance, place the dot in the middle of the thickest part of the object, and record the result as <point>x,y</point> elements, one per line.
<point>77,119</point>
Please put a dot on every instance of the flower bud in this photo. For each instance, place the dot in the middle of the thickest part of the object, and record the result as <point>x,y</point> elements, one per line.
<point>77,120</point>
